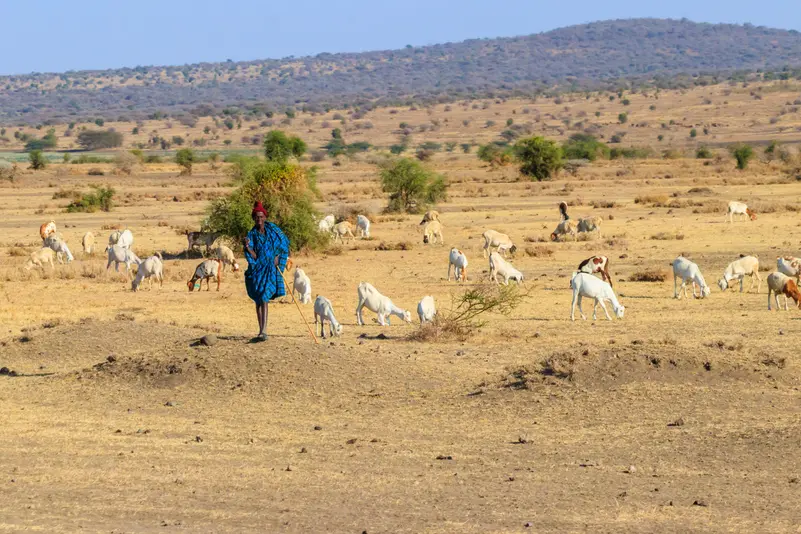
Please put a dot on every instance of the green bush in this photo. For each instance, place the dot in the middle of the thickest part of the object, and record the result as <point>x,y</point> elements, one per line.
<point>495,154</point>
<point>584,146</point>
<point>539,158</point>
<point>743,154</point>
<point>47,142</point>
<point>623,118</point>
<point>101,198</point>
<point>99,139</point>
<point>704,153</point>
<point>279,147</point>
<point>288,192</point>
<point>398,149</point>
<point>185,158</point>
<point>411,186</point>
<point>37,159</point>
<point>466,147</point>
<point>693,133</point>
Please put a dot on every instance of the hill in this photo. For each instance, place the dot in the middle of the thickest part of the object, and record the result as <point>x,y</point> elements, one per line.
<point>606,54</point>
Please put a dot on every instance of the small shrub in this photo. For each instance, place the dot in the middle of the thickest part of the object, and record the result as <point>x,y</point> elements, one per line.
<point>94,171</point>
<point>667,236</point>
<point>743,154</point>
<point>648,275</point>
<point>101,198</point>
<point>37,159</point>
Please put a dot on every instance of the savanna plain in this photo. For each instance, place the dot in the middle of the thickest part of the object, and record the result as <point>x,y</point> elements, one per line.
<point>684,416</point>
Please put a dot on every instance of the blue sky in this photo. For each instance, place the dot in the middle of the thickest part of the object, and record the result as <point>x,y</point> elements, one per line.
<point>55,36</point>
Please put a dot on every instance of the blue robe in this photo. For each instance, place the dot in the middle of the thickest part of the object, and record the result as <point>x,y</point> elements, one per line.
<point>262,280</point>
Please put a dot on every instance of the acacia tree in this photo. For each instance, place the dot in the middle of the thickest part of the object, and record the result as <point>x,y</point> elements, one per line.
<point>539,158</point>
<point>185,158</point>
<point>411,186</point>
<point>279,147</point>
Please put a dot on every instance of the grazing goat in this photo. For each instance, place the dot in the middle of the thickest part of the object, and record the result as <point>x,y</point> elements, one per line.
<point>379,304</point>
<point>589,224</point>
<point>341,230</point>
<point>195,239</point>
<point>426,310</point>
<point>458,261</point>
<point>326,223</point>
<point>59,246</point>
<point>39,258</point>
<point>122,239</point>
<point>206,270</point>
<point>497,239</point>
<point>563,211</point>
<point>363,224</point>
<point>739,269</point>
<point>499,266</point>
<point>781,283</point>
<point>586,285</point>
<point>88,242</point>
<point>433,233</point>
<point>226,256</point>
<point>684,269</point>
<point>152,267</point>
<point>323,311</point>
<point>302,286</point>
<point>430,216</point>
<point>117,255</point>
<point>789,266</point>
<point>47,229</point>
<point>739,208</point>
<point>566,227</point>
<point>596,264</point>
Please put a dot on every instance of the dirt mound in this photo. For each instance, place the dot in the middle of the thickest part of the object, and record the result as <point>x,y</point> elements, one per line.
<point>592,367</point>
<point>129,353</point>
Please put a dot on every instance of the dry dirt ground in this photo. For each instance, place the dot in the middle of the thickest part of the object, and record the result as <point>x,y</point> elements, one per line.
<point>684,416</point>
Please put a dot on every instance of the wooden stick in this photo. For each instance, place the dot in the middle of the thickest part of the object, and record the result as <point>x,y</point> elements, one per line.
<point>292,294</point>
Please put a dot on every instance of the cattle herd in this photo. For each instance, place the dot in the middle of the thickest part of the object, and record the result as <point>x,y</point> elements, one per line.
<point>496,248</point>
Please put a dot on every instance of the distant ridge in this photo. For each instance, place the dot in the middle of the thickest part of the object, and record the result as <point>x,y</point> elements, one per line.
<point>595,55</point>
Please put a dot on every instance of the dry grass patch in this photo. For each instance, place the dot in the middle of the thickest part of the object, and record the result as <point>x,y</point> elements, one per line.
<point>667,236</point>
<point>539,252</point>
<point>648,275</point>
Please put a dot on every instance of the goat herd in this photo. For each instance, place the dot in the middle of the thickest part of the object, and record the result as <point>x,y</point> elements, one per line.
<point>582,282</point>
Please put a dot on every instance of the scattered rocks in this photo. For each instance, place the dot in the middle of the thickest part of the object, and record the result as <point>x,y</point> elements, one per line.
<point>700,502</point>
<point>318,427</point>
<point>677,422</point>
<point>443,457</point>
<point>351,441</point>
<point>111,358</point>
<point>528,524</point>
<point>707,366</point>
<point>209,340</point>
<point>169,404</point>
<point>198,439</point>
<point>303,450</point>
<point>630,470</point>
<point>288,468</point>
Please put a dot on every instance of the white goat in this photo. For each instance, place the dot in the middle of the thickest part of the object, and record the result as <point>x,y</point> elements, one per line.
<point>363,224</point>
<point>789,266</point>
<point>118,254</point>
<point>123,239</point>
<point>88,242</point>
<point>302,286</point>
<point>59,246</point>
<point>781,283</point>
<point>458,261</point>
<point>589,224</point>
<point>429,216</point>
<point>684,269</point>
<point>341,230</point>
<point>39,258</point>
<point>433,233</point>
<point>426,310</point>
<point>379,304</point>
<point>587,285</point>
<point>323,311</point>
<point>226,256</point>
<point>739,208</point>
<point>566,227</point>
<point>326,223</point>
<point>739,269</point>
<point>499,266</point>
<point>497,239</point>
<point>151,268</point>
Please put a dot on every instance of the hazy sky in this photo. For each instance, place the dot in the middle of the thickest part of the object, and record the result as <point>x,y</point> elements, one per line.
<point>55,36</point>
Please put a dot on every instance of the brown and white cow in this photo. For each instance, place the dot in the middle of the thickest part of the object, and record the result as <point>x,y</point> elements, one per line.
<point>596,264</point>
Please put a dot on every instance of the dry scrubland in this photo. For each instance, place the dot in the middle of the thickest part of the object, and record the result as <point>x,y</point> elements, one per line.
<point>684,416</point>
